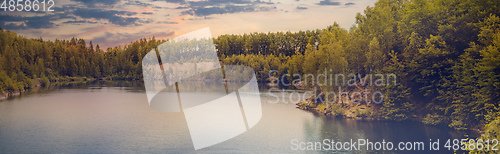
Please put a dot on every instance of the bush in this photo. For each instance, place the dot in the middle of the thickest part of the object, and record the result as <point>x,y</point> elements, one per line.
<point>312,105</point>
<point>357,112</point>
<point>492,131</point>
<point>52,78</point>
<point>336,110</point>
<point>458,125</point>
<point>321,107</point>
<point>28,83</point>
<point>44,81</point>
<point>7,83</point>
<point>367,112</point>
<point>432,119</point>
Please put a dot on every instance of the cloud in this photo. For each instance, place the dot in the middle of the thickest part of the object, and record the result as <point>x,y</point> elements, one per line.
<point>147,13</point>
<point>211,10</point>
<point>39,22</point>
<point>328,2</point>
<point>173,1</point>
<point>349,3</point>
<point>95,2</point>
<point>113,16</point>
<point>226,2</point>
<point>11,26</point>
<point>77,22</point>
<point>218,2</point>
<point>206,11</point>
<point>210,7</point>
<point>139,3</point>
<point>167,22</point>
<point>35,22</point>
<point>182,7</point>
<point>301,8</point>
<point>12,18</point>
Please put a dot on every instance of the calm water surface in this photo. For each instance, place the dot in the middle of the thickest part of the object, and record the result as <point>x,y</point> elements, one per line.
<point>116,118</point>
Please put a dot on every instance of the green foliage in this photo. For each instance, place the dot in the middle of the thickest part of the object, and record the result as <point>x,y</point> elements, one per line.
<point>23,60</point>
<point>358,112</point>
<point>397,103</point>
<point>44,81</point>
<point>458,124</point>
<point>445,54</point>
<point>285,43</point>
<point>492,131</point>
<point>367,112</point>
<point>433,119</point>
<point>312,105</point>
<point>6,83</point>
<point>261,64</point>
<point>321,107</point>
<point>336,110</point>
<point>294,65</point>
<point>375,57</point>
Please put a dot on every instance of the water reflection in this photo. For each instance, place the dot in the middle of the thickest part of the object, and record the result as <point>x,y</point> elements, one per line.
<point>114,117</point>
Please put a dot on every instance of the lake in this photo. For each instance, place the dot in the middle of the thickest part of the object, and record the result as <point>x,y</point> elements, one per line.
<point>102,117</point>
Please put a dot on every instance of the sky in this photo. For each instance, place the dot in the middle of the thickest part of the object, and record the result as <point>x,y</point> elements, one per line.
<point>111,23</point>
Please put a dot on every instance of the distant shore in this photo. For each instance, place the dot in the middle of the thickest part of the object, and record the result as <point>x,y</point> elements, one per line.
<point>38,83</point>
<point>350,110</point>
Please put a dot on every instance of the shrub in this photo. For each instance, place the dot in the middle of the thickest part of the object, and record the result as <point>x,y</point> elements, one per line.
<point>7,83</point>
<point>28,83</point>
<point>336,110</point>
<point>44,81</point>
<point>368,112</point>
<point>432,119</point>
<point>321,107</point>
<point>357,112</point>
<point>458,125</point>
<point>492,131</point>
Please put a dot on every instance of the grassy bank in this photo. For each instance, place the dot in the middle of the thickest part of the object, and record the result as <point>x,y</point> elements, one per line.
<point>41,83</point>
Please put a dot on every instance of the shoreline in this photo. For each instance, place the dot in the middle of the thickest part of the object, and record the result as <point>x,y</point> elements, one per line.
<point>38,84</point>
<point>346,111</point>
<point>12,94</point>
<point>360,112</point>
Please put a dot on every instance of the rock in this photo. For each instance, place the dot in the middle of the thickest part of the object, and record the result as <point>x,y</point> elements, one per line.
<point>299,85</point>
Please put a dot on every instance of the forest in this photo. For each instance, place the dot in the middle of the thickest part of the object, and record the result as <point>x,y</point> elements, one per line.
<point>445,54</point>
<point>24,62</point>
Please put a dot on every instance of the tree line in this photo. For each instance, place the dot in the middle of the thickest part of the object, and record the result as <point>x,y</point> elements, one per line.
<point>25,62</point>
<point>445,54</point>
